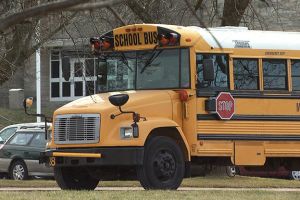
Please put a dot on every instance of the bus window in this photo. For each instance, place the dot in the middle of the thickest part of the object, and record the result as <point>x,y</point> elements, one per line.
<point>296,75</point>
<point>245,74</point>
<point>161,72</point>
<point>275,74</point>
<point>220,69</point>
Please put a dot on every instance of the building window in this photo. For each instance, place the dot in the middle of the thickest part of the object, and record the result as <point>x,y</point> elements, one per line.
<point>245,74</point>
<point>296,75</point>
<point>275,74</point>
<point>71,77</point>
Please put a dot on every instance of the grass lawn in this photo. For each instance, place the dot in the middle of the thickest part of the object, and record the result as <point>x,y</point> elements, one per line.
<point>170,195</point>
<point>208,181</point>
<point>15,116</point>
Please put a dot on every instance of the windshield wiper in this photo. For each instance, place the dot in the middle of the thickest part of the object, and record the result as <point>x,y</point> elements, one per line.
<point>153,56</point>
<point>125,61</point>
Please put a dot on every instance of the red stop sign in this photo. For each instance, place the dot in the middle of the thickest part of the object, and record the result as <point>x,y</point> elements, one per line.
<point>225,105</point>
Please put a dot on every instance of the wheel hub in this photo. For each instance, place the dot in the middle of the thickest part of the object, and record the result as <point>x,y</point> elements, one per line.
<point>296,175</point>
<point>18,172</point>
<point>164,165</point>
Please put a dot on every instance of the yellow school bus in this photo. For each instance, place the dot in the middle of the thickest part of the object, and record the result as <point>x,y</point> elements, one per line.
<point>170,96</point>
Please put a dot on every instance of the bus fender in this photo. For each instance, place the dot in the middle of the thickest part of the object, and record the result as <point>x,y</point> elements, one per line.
<point>149,127</point>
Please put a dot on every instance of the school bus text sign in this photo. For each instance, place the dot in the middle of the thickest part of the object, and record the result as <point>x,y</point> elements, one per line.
<point>225,105</point>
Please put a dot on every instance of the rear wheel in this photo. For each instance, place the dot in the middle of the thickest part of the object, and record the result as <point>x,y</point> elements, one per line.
<point>163,166</point>
<point>295,175</point>
<point>18,170</point>
<point>231,171</point>
<point>71,178</point>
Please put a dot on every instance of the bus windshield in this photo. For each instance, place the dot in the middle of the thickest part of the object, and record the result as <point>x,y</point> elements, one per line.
<point>138,70</point>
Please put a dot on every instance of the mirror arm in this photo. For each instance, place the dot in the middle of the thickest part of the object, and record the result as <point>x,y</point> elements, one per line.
<point>113,116</point>
<point>45,119</point>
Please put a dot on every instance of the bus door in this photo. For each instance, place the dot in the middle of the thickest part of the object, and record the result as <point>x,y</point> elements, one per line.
<point>210,129</point>
<point>224,138</point>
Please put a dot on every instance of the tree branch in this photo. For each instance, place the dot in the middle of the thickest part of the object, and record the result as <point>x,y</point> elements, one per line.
<point>39,10</point>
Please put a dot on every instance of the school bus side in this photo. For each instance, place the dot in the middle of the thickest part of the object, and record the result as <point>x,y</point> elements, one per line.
<point>265,85</point>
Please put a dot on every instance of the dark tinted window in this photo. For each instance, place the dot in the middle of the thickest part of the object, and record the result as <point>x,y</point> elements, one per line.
<point>245,74</point>
<point>54,69</point>
<point>55,89</point>
<point>21,138</point>
<point>275,74</point>
<point>221,72</point>
<point>296,74</point>
<point>66,89</point>
<point>78,88</point>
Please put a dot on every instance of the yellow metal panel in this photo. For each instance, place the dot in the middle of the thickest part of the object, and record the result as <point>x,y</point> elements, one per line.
<point>75,155</point>
<point>249,153</point>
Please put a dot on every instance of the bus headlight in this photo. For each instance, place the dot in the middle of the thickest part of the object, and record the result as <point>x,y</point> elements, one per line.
<point>126,132</point>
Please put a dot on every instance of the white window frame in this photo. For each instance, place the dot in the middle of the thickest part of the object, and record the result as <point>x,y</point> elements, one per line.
<point>72,79</point>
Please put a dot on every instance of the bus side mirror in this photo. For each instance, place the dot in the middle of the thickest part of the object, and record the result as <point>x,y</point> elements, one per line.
<point>27,103</point>
<point>208,70</point>
<point>118,99</point>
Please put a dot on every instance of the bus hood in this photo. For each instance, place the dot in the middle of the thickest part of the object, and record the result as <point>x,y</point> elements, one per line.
<point>150,103</point>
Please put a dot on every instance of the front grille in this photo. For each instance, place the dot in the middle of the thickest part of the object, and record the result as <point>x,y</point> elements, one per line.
<point>77,129</point>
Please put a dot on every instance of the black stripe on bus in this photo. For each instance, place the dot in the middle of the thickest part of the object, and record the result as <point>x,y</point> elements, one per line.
<point>251,137</point>
<point>254,95</point>
<point>252,117</point>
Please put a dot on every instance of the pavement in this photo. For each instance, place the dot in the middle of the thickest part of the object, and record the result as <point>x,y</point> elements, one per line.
<point>140,188</point>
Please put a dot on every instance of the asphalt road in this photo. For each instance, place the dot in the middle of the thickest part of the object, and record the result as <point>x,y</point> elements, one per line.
<point>140,188</point>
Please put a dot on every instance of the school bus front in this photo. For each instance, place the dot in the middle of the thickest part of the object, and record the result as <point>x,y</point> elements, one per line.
<point>135,123</point>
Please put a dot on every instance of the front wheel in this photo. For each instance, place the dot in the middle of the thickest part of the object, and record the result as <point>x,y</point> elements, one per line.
<point>163,166</point>
<point>71,178</point>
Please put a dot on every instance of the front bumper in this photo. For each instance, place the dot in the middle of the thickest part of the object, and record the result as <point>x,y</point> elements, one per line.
<point>104,156</point>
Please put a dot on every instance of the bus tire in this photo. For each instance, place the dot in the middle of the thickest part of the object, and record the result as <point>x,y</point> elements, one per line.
<point>73,178</point>
<point>163,165</point>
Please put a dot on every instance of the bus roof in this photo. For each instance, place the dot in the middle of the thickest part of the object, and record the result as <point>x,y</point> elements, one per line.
<point>241,37</point>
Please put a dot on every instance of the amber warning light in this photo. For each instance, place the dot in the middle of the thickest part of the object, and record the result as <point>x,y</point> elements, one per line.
<point>100,44</point>
<point>168,39</point>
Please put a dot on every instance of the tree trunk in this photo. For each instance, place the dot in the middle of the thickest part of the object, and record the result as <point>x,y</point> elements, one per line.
<point>234,11</point>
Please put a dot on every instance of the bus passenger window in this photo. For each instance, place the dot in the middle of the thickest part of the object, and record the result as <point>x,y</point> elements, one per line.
<point>275,74</point>
<point>220,69</point>
<point>245,74</point>
<point>296,75</point>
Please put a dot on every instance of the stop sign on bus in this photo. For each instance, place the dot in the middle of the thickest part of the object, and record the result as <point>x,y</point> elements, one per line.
<point>225,105</point>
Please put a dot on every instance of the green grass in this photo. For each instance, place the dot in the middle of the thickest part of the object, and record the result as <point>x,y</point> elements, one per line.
<point>127,195</point>
<point>13,116</point>
<point>203,182</point>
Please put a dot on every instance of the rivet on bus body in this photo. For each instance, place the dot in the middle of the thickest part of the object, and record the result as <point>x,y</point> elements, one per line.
<point>201,143</point>
<point>188,39</point>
